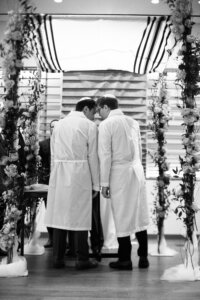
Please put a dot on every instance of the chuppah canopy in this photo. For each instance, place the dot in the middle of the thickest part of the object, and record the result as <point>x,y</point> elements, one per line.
<point>70,43</point>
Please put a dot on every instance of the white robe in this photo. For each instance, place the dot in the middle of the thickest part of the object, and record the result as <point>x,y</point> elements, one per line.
<point>74,173</point>
<point>121,169</point>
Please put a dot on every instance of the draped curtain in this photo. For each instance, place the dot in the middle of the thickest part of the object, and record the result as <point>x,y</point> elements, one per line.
<point>139,45</point>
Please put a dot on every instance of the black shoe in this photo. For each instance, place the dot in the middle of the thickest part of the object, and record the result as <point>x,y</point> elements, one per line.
<point>3,253</point>
<point>88,264</point>
<point>143,262</point>
<point>70,253</point>
<point>97,255</point>
<point>59,264</point>
<point>121,265</point>
<point>49,244</point>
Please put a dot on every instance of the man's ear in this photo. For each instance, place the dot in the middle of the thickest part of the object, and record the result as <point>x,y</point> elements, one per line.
<point>106,107</point>
<point>85,110</point>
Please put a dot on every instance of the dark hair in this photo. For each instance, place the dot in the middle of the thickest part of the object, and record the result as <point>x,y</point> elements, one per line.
<point>87,101</point>
<point>109,100</point>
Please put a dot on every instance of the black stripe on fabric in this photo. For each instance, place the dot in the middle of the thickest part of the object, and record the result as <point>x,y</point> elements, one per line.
<point>166,40</point>
<point>34,44</point>
<point>162,41</point>
<point>38,39</point>
<point>53,41</point>
<point>137,53</point>
<point>47,39</point>
<point>39,19</point>
<point>153,43</point>
<point>145,46</point>
<point>158,63</point>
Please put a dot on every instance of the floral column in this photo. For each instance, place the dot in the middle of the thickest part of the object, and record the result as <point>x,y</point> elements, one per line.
<point>14,49</point>
<point>160,116</point>
<point>187,79</point>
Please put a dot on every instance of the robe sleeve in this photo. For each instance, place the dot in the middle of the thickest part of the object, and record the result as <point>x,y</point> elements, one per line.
<point>105,154</point>
<point>93,156</point>
<point>52,143</point>
<point>140,142</point>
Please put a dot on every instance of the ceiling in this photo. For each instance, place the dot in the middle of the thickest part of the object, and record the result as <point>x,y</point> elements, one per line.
<point>97,7</point>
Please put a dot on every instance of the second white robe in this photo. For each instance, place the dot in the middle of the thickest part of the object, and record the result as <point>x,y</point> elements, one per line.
<point>122,170</point>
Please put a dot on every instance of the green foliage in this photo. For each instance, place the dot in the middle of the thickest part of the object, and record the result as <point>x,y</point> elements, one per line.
<point>160,116</point>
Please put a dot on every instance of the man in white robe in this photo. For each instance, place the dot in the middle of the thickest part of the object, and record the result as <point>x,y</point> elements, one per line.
<point>122,180</point>
<point>74,175</point>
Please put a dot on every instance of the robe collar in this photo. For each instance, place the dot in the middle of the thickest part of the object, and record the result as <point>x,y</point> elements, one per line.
<point>115,112</point>
<point>75,113</point>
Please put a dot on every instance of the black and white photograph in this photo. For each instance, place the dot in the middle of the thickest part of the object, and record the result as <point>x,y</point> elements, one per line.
<point>99,149</point>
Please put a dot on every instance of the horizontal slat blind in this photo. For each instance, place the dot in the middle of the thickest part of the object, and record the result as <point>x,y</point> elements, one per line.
<point>52,106</point>
<point>128,88</point>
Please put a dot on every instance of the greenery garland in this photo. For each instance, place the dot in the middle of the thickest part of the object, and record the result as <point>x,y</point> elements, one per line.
<point>187,79</point>
<point>160,114</point>
<point>14,49</point>
<point>30,132</point>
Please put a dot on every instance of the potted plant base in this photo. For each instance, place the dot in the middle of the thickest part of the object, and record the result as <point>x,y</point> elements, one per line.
<point>16,268</point>
<point>190,269</point>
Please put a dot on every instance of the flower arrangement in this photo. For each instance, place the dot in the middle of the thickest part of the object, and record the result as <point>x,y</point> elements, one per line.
<point>159,108</point>
<point>8,232</point>
<point>14,49</point>
<point>31,111</point>
<point>187,79</point>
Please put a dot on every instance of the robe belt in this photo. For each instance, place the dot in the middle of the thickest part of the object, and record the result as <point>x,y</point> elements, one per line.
<point>70,161</point>
<point>126,163</point>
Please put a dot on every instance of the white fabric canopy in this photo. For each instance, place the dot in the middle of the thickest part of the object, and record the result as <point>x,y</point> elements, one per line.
<point>88,43</point>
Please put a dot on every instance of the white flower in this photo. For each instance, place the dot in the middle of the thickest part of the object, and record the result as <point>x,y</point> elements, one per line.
<point>157,110</point>
<point>32,140</point>
<point>9,84</point>
<point>190,38</point>
<point>179,192</point>
<point>188,23</point>
<point>10,12</point>
<point>27,142</point>
<point>177,32</point>
<point>190,119</point>
<point>177,17</point>
<point>190,112</point>
<point>19,63</point>
<point>13,156</point>
<point>29,157</point>
<point>11,170</point>
<point>188,169</point>
<point>8,104</point>
<point>6,228</point>
<point>181,74</point>
<point>38,158</point>
<point>17,35</point>
<point>32,108</point>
